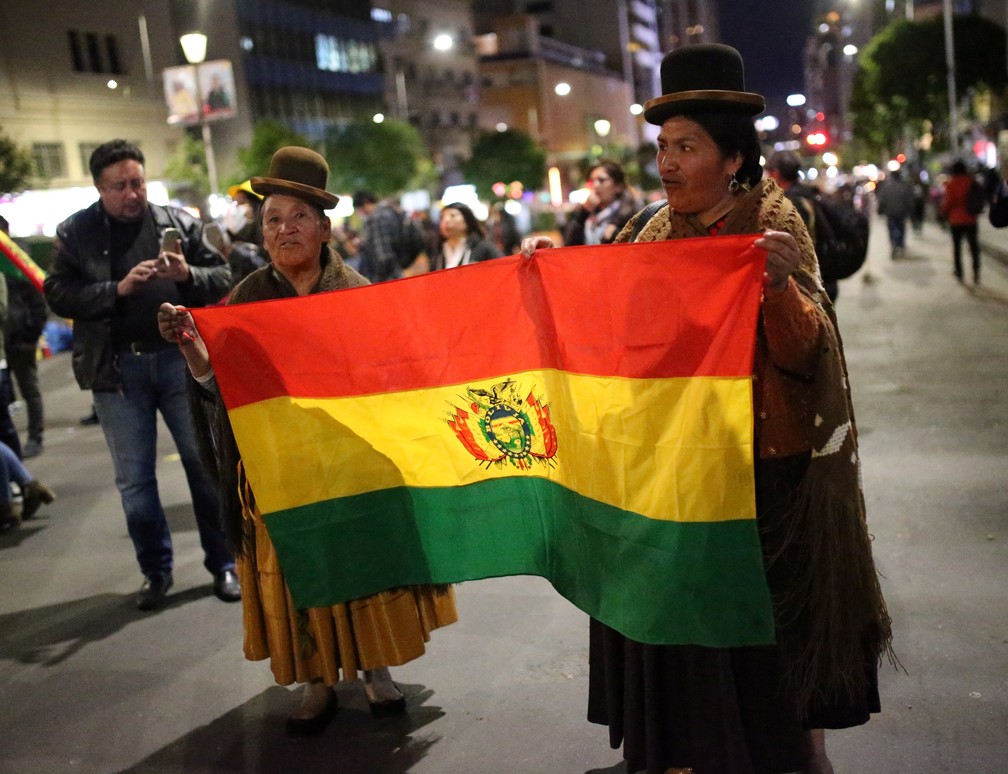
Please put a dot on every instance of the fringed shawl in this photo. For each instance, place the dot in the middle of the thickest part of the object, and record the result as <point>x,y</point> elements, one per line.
<point>835,606</point>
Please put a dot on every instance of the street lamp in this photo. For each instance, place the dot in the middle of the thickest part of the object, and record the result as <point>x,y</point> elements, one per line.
<point>194,46</point>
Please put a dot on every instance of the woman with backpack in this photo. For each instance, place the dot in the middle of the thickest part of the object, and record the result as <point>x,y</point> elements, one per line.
<point>962,221</point>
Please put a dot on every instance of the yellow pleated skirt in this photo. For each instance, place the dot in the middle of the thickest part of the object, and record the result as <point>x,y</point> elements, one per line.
<point>332,643</point>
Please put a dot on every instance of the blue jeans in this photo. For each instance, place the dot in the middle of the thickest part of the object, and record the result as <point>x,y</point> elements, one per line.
<point>897,231</point>
<point>11,469</point>
<point>151,383</point>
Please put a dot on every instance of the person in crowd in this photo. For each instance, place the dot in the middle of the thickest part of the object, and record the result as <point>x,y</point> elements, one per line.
<point>463,239</point>
<point>997,214</point>
<point>896,200</point>
<point>243,258</point>
<point>610,204</point>
<point>26,318</point>
<point>8,432</point>
<point>242,220</point>
<point>503,229</point>
<point>33,492</point>
<point>383,253</point>
<point>962,223</point>
<point>109,276</point>
<point>759,708</point>
<point>310,646</point>
<point>346,241</point>
<point>920,192</point>
<point>785,168</point>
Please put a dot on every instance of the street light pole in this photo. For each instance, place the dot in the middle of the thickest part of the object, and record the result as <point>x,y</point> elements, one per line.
<point>950,78</point>
<point>194,48</point>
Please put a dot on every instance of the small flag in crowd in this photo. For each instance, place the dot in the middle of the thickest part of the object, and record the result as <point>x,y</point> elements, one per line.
<point>16,263</point>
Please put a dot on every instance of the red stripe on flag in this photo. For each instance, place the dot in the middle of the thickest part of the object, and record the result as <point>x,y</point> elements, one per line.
<point>603,311</point>
<point>19,262</point>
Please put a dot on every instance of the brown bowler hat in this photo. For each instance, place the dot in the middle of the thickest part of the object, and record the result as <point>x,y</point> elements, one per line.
<point>299,172</point>
<point>702,78</point>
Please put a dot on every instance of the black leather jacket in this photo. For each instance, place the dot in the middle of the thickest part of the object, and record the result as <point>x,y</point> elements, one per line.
<point>80,285</point>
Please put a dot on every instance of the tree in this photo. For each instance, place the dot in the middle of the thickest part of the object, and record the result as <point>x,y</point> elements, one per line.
<point>901,78</point>
<point>503,157</point>
<point>267,138</point>
<point>15,165</point>
<point>386,158</point>
<point>186,170</point>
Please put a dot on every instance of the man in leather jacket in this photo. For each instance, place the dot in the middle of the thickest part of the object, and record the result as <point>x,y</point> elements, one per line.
<point>109,275</point>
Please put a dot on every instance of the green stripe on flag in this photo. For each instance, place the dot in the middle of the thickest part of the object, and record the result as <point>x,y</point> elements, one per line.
<point>655,581</point>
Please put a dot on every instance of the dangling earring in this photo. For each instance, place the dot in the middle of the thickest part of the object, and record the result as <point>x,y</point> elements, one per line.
<point>735,186</point>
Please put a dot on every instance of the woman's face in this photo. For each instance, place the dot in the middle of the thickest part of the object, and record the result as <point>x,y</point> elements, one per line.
<point>452,223</point>
<point>603,186</point>
<point>293,233</point>
<point>693,172</point>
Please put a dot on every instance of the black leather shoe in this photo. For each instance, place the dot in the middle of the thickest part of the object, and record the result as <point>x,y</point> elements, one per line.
<point>226,586</point>
<point>389,708</point>
<point>302,727</point>
<point>153,591</point>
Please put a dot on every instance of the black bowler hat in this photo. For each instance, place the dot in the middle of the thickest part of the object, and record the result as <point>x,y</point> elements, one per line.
<point>699,79</point>
<point>299,172</point>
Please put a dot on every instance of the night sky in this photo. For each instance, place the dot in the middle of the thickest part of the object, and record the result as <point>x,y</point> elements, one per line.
<point>770,34</point>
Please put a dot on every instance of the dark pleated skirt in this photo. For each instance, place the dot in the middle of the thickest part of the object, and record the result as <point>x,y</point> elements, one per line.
<point>716,710</point>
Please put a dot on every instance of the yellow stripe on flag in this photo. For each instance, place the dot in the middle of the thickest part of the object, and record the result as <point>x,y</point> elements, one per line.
<point>671,449</point>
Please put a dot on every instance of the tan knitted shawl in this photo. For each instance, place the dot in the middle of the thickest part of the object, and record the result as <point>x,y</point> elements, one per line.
<point>836,604</point>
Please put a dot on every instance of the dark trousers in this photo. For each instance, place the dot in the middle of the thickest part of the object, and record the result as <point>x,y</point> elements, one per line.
<point>897,231</point>
<point>970,232</point>
<point>23,364</point>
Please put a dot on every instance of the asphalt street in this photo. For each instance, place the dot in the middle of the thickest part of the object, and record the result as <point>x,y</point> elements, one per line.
<point>90,684</point>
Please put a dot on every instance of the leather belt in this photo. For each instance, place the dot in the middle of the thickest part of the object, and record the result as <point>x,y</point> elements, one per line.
<point>147,347</point>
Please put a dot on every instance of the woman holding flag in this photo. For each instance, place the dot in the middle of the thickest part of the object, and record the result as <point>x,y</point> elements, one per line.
<point>691,707</point>
<point>315,645</point>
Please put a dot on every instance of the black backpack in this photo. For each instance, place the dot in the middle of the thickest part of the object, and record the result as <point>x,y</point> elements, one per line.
<point>976,198</point>
<point>411,242</point>
<point>840,233</point>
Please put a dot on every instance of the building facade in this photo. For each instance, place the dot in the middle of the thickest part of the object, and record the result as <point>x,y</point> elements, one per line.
<point>564,96</point>
<point>78,74</point>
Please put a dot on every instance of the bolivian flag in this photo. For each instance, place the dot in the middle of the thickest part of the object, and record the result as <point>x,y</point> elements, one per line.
<point>16,263</point>
<point>584,416</point>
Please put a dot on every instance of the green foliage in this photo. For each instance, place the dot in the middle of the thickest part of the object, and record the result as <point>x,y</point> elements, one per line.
<point>267,138</point>
<point>386,158</point>
<point>186,169</point>
<point>15,165</point>
<point>901,79</point>
<point>505,157</point>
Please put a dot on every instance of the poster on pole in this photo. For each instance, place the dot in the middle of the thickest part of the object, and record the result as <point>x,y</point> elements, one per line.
<point>217,87</point>
<point>197,93</point>
<point>182,94</point>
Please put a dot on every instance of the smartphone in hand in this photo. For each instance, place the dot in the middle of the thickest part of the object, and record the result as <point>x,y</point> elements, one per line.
<point>170,239</point>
